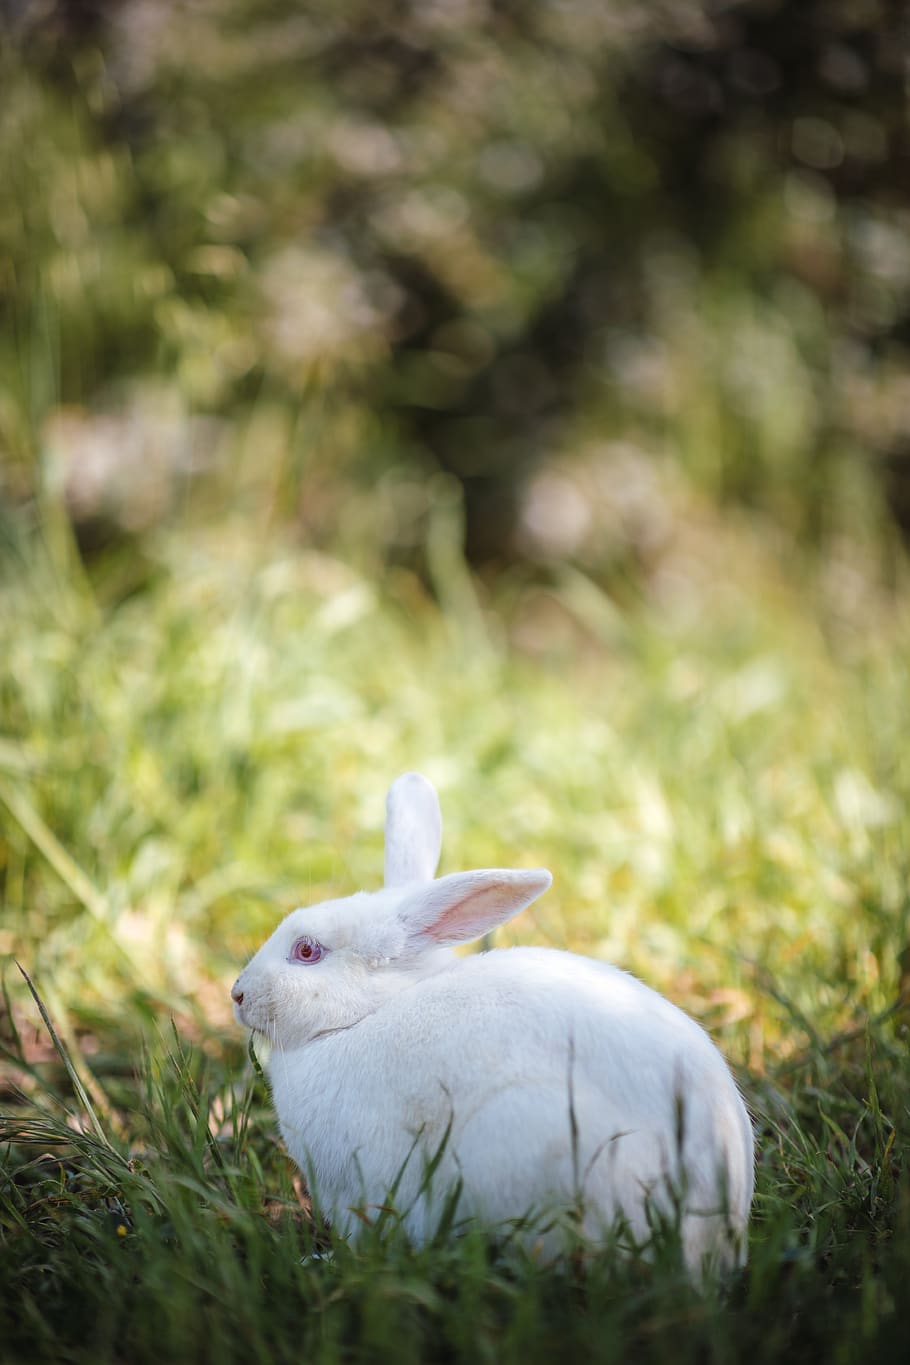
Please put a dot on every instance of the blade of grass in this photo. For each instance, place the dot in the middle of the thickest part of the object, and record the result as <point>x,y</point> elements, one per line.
<point>69,871</point>
<point>50,846</point>
<point>92,1085</point>
<point>78,1085</point>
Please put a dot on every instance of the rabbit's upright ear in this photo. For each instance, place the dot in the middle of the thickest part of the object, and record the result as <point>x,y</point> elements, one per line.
<point>466,905</point>
<point>413,831</point>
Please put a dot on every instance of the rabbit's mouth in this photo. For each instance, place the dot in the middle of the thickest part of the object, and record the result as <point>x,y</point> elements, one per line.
<point>263,1039</point>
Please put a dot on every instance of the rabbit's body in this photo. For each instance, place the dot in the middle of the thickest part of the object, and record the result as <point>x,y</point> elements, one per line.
<point>537,1081</point>
<point>610,1091</point>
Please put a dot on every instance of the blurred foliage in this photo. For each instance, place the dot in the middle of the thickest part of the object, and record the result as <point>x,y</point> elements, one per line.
<point>561,251</point>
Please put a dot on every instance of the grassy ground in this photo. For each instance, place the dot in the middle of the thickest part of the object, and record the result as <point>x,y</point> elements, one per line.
<point>714,765</point>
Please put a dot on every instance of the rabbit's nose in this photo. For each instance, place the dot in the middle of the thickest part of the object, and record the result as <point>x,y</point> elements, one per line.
<point>236,995</point>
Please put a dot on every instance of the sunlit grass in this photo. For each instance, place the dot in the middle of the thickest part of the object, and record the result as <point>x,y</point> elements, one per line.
<point>719,782</point>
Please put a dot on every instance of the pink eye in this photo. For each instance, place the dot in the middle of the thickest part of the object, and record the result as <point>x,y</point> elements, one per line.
<point>306,949</point>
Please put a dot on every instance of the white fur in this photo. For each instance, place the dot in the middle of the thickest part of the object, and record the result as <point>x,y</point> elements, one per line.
<point>547,1081</point>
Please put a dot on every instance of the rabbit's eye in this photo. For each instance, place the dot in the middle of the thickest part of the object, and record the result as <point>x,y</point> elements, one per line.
<point>306,949</point>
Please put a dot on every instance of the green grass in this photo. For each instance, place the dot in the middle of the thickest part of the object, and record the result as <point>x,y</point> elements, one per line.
<point>714,765</point>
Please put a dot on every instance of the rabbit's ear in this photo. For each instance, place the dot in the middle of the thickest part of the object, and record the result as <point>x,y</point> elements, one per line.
<point>465,905</point>
<point>413,831</point>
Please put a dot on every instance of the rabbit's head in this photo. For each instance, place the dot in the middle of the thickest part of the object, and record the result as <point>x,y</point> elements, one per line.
<point>327,966</point>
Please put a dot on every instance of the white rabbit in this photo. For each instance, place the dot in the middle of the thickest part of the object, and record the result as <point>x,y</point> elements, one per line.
<point>535,1080</point>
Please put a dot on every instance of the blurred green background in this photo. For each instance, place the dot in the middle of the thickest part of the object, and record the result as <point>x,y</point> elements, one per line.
<point>295,261</point>
<point>516,391</point>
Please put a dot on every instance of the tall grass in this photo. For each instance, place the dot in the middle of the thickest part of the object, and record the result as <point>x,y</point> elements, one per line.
<point>715,769</point>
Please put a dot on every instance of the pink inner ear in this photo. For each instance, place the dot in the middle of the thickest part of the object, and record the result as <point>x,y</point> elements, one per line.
<point>465,905</point>
<point>475,914</point>
<point>454,924</point>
